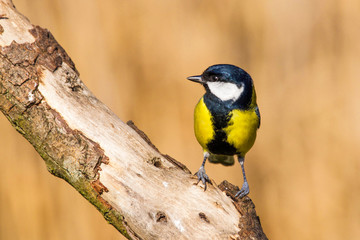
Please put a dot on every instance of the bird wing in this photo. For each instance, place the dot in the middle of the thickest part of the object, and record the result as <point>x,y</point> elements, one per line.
<point>257,111</point>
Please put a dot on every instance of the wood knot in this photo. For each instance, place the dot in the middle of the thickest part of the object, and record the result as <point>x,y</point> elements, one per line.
<point>161,217</point>
<point>204,217</point>
<point>155,161</point>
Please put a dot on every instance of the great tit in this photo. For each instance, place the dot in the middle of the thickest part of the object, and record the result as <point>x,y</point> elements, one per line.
<point>226,118</point>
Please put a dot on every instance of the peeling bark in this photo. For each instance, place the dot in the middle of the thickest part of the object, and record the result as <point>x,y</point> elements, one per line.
<point>143,193</point>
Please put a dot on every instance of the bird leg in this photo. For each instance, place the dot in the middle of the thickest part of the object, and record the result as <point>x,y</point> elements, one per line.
<point>245,187</point>
<point>201,175</point>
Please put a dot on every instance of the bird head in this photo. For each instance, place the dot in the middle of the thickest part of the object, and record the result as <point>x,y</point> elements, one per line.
<point>227,82</point>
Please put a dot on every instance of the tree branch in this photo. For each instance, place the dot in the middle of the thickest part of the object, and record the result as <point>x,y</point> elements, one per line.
<point>144,194</point>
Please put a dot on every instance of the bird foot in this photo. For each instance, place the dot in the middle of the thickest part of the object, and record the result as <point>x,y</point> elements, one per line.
<point>243,191</point>
<point>201,175</point>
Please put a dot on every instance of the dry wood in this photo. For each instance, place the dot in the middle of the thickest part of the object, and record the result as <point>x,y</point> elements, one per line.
<point>144,194</point>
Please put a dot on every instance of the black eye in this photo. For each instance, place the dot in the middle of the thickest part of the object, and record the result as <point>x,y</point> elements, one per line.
<point>215,78</point>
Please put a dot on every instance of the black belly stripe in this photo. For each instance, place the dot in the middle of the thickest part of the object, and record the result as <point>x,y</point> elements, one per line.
<point>219,145</point>
<point>220,117</point>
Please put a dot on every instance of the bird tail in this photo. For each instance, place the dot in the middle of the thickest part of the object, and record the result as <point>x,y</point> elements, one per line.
<point>223,159</point>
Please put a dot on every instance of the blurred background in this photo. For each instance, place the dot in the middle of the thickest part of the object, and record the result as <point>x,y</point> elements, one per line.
<point>135,55</point>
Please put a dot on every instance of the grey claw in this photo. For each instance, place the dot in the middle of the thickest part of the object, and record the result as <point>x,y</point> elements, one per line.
<point>203,177</point>
<point>243,191</point>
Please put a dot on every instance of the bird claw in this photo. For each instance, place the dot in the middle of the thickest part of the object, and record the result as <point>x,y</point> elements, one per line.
<point>243,191</point>
<point>203,177</point>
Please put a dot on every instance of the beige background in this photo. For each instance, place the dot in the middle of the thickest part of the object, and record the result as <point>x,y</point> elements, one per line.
<point>135,55</point>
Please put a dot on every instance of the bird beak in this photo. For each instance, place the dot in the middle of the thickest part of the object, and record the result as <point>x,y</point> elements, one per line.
<point>197,79</point>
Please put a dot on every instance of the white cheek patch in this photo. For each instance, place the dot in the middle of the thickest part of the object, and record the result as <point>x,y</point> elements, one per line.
<point>226,91</point>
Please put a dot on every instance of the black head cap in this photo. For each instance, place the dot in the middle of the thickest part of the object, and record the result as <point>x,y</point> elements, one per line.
<point>226,73</point>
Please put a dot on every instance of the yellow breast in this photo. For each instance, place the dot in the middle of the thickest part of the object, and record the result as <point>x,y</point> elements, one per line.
<point>203,127</point>
<point>241,129</point>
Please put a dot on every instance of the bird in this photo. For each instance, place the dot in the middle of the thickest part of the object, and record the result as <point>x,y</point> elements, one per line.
<point>226,118</point>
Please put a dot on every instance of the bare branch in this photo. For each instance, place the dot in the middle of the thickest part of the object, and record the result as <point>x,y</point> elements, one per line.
<point>143,193</point>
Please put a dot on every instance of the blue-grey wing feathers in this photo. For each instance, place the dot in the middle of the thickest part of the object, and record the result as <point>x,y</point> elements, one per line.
<point>258,114</point>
